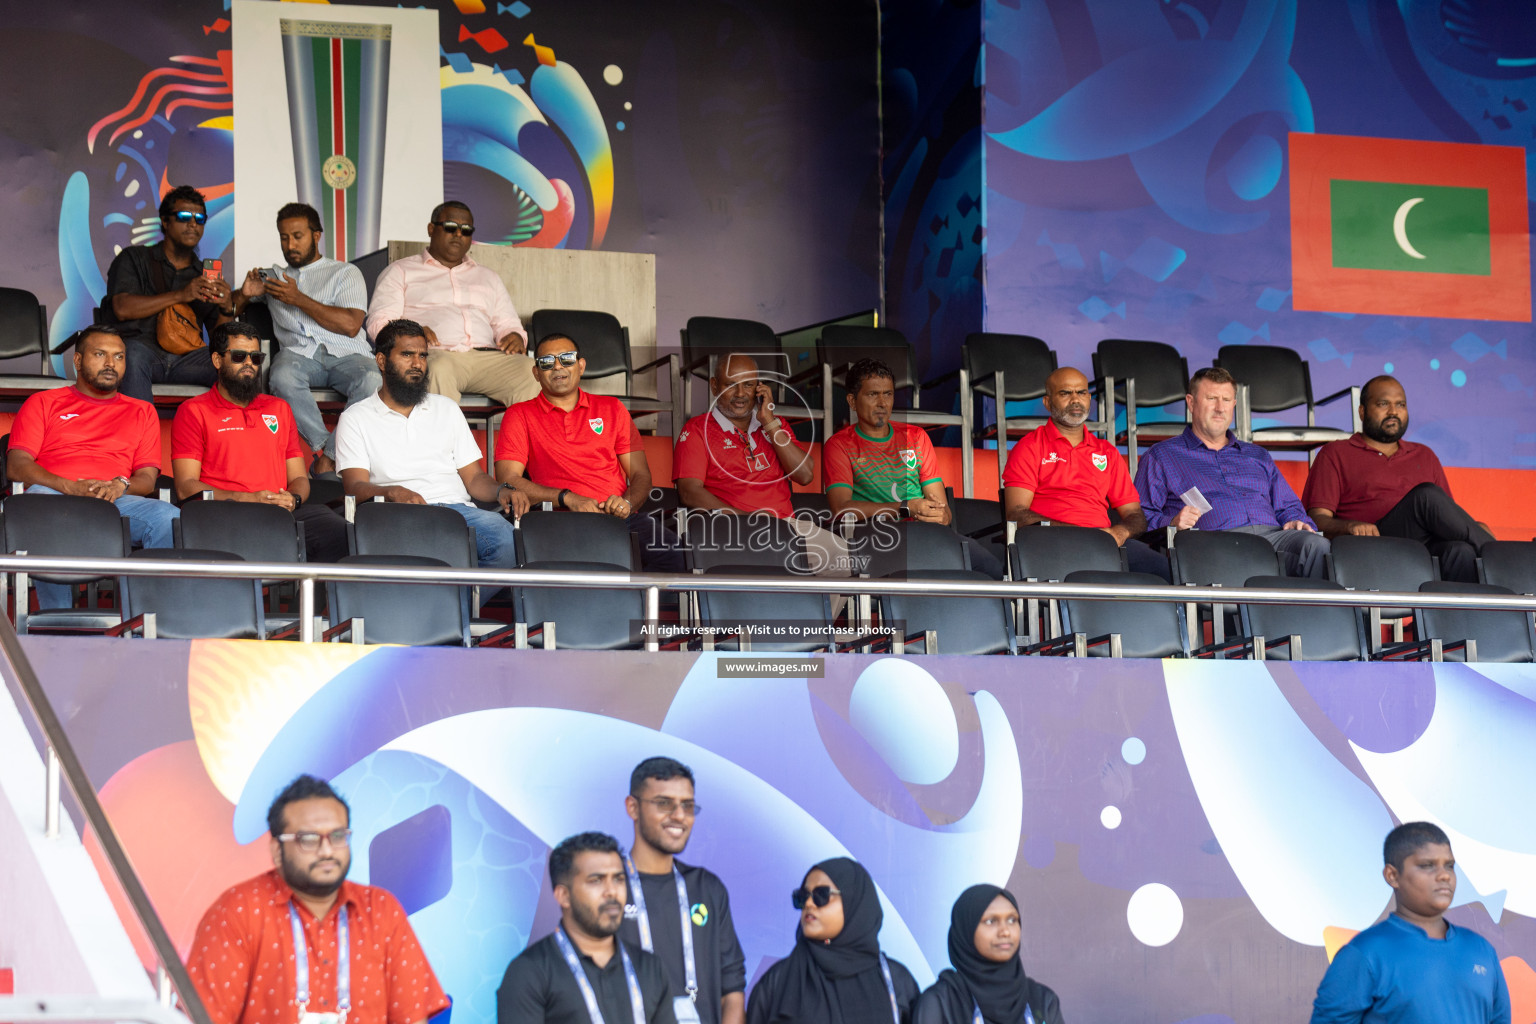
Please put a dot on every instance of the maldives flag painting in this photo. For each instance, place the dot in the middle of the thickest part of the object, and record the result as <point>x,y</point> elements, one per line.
<point>1408,228</point>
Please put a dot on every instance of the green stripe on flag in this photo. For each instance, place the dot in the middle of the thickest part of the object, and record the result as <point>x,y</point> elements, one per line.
<point>1381,225</point>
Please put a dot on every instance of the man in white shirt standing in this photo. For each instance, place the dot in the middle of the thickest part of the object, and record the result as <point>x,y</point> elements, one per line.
<point>317,308</point>
<point>476,341</point>
<point>414,447</point>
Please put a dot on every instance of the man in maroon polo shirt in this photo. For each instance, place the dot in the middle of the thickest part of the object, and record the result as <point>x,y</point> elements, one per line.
<point>242,444</point>
<point>1061,473</point>
<point>739,457</point>
<point>581,452</point>
<point>1376,484</point>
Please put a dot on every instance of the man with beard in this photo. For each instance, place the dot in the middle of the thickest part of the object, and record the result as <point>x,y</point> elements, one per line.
<point>317,307</point>
<point>680,912</point>
<point>476,340</point>
<point>582,974</point>
<point>1376,484</point>
<point>145,280</point>
<point>302,945</point>
<point>93,441</point>
<point>581,452</point>
<point>410,446</point>
<point>242,445</point>
<point>1061,473</point>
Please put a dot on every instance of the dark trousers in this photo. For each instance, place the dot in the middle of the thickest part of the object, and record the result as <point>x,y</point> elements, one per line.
<point>149,364</point>
<point>325,532</point>
<point>1141,557</point>
<point>660,549</point>
<point>1428,515</point>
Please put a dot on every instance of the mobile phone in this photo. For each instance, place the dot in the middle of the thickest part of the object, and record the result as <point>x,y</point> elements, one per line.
<point>267,275</point>
<point>213,269</point>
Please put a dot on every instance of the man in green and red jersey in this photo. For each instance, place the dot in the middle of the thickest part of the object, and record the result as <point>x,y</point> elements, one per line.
<point>877,467</point>
<point>581,452</point>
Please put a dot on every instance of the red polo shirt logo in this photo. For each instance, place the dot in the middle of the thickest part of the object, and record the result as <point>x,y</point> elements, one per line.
<point>596,424</point>
<point>1100,462</point>
<point>270,421</point>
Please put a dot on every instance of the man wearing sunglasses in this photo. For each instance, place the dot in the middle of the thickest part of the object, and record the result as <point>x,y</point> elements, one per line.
<point>475,340</point>
<point>317,306</point>
<point>242,445</point>
<point>581,452</point>
<point>302,945</point>
<point>705,965</point>
<point>147,279</point>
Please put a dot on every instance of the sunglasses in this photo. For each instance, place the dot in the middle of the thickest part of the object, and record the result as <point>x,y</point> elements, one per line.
<point>237,356</point>
<point>453,227</point>
<point>548,362</point>
<point>183,216</point>
<point>821,896</point>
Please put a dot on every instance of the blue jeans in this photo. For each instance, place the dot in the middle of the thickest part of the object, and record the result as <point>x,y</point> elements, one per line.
<point>495,543</point>
<point>149,524</point>
<point>149,364</point>
<point>356,376</point>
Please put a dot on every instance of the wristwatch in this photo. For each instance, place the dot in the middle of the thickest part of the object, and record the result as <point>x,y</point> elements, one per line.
<point>124,480</point>
<point>904,511</point>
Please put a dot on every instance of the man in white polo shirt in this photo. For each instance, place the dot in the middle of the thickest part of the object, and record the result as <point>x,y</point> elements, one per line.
<point>414,447</point>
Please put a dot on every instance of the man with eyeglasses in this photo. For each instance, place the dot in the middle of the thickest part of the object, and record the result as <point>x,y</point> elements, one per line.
<point>581,452</point>
<point>302,945</point>
<point>582,973</point>
<point>405,445</point>
<point>242,445</point>
<point>476,341</point>
<point>144,280</point>
<point>680,912</point>
<point>317,306</point>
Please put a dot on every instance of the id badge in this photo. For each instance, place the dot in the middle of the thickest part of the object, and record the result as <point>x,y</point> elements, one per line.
<point>320,1018</point>
<point>684,1010</point>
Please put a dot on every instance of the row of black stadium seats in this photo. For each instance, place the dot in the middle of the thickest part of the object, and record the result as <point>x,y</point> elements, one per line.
<point>599,617</point>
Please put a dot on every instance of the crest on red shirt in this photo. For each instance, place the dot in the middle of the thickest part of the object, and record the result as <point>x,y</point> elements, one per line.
<point>596,423</point>
<point>1100,462</point>
<point>270,421</point>
<point>909,456</point>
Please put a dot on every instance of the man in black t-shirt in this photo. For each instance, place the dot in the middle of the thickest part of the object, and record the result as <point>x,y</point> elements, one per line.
<point>582,974</point>
<point>661,805</point>
<point>146,279</point>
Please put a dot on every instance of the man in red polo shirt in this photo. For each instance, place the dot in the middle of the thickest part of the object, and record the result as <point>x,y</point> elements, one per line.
<point>1061,473</point>
<point>90,440</point>
<point>354,942</point>
<point>1376,484</point>
<point>243,445</point>
<point>739,457</point>
<point>581,452</point>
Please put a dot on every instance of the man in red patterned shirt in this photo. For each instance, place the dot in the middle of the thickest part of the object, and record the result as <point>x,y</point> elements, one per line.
<point>300,944</point>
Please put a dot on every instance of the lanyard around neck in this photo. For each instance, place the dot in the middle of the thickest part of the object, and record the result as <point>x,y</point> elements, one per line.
<point>588,996</point>
<point>343,962</point>
<point>642,918</point>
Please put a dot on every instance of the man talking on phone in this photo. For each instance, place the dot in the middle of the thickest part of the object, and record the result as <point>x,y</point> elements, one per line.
<point>146,280</point>
<point>317,306</point>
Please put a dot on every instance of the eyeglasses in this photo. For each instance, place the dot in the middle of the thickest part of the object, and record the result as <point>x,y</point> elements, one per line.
<point>183,216</point>
<point>564,358</point>
<point>309,842</point>
<point>666,805</point>
<point>240,355</point>
<point>453,227</point>
<point>821,896</point>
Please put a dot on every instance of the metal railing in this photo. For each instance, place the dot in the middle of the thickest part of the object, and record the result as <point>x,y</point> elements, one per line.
<point>63,766</point>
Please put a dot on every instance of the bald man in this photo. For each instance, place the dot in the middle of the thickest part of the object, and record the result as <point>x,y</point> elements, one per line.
<point>1376,484</point>
<point>740,457</point>
<point>1060,473</point>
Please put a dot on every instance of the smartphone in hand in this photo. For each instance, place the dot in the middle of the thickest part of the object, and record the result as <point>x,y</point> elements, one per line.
<point>213,269</point>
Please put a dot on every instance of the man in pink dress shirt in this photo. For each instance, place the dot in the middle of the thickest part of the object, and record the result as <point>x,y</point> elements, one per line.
<point>476,341</point>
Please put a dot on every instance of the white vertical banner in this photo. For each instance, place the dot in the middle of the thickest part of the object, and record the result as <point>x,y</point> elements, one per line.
<point>339,107</point>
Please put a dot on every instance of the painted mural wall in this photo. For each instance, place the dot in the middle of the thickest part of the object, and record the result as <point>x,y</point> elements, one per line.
<point>736,141</point>
<point>1190,842</point>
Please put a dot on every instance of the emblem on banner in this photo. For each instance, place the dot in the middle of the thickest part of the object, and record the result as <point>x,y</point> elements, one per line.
<point>1100,462</point>
<point>596,424</point>
<point>339,172</point>
<point>270,421</point>
<point>909,456</point>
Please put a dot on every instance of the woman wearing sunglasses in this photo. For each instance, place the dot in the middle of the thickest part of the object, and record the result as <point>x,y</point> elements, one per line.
<point>987,983</point>
<point>836,973</point>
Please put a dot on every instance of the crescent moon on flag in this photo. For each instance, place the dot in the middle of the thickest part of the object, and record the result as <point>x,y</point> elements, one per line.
<point>1400,228</point>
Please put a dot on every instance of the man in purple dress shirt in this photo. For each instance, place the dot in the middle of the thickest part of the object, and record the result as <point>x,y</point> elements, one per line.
<point>1238,479</point>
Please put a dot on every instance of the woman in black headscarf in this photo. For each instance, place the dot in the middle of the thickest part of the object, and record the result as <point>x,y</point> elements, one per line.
<point>836,973</point>
<point>987,978</point>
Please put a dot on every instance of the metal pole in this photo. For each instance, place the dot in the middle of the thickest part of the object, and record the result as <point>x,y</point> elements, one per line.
<point>653,617</point>
<point>307,610</point>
